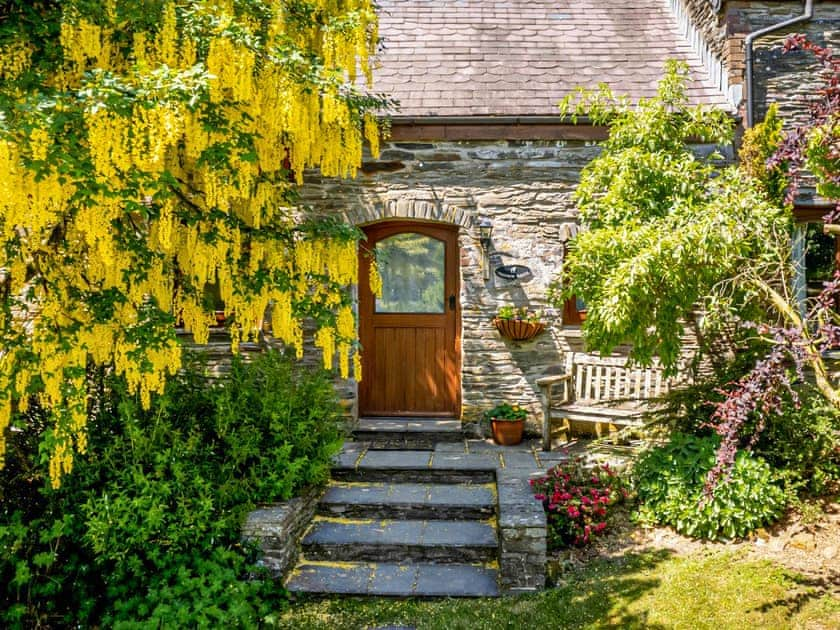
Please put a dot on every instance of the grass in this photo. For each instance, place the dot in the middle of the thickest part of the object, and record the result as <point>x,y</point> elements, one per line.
<point>649,590</point>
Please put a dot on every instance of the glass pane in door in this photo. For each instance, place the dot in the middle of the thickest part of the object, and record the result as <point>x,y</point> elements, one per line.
<point>412,269</point>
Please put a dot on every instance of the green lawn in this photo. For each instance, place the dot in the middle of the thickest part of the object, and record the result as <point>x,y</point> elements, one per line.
<point>650,590</point>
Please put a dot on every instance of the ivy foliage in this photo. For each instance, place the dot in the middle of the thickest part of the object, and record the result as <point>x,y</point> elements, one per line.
<point>664,226</point>
<point>147,158</point>
<point>147,532</point>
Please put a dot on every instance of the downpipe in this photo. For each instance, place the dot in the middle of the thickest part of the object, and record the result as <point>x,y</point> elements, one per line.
<point>807,14</point>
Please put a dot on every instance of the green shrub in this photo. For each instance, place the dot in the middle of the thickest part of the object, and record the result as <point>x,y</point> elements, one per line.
<point>803,444</point>
<point>146,530</point>
<point>670,481</point>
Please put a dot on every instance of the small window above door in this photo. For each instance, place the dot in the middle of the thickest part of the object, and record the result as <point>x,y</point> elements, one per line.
<point>413,268</point>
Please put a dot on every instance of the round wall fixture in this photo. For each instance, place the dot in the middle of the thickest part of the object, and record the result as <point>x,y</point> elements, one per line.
<point>513,272</point>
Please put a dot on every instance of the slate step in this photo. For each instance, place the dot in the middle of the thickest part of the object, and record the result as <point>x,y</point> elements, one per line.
<point>414,466</point>
<point>409,501</point>
<point>407,433</point>
<point>387,579</point>
<point>400,540</point>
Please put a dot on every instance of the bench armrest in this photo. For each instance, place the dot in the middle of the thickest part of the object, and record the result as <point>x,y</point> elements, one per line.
<point>548,381</point>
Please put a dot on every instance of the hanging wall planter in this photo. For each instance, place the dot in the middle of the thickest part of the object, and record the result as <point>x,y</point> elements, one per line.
<point>518,329</point>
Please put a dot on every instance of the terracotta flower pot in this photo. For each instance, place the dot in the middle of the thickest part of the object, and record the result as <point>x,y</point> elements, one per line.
<point>518,329</point>
<point>507,432</point>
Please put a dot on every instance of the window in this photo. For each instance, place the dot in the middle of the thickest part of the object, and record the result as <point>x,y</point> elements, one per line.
<point>815,258</point>
<point>412,267</point>
<point>574,312</point>
<point>574,309</point>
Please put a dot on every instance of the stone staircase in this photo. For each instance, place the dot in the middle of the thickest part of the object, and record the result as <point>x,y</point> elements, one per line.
<point>417,521</point>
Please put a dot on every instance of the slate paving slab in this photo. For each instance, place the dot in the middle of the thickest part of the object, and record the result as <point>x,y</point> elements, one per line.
<point>323,578</point>
<point>461,494</point>
<point>409,425</point>
<point>395,459</point>
<point>362,493</point>
<point>455,581</point>
<point>520,459</point>
<point>346,459</point>
<point>394,579</point>
<point>413,493</point>
<point>486,446</point>
<point>401,532</point>
<point>363,532</point>
<point>466,461</point>
<point>450,447</point>
<point>459,533</point>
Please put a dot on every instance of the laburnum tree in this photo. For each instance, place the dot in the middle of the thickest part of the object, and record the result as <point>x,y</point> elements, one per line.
<point>149,152</point>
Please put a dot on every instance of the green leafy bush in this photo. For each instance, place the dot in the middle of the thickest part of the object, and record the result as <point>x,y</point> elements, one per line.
<point>803,444</point>
<point>670,482</point>
<point>146,530</point>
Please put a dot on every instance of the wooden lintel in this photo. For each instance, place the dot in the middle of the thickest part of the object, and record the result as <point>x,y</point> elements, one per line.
<point>811,213</point>
<point>401,132</point>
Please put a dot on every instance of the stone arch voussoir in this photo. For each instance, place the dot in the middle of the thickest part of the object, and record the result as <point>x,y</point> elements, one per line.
<point>453,211</point>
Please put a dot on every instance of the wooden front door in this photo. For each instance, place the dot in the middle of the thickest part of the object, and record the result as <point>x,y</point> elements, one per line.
<point>411,335</point>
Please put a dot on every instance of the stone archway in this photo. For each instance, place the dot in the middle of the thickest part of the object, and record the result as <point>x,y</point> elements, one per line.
<point>412,205</point>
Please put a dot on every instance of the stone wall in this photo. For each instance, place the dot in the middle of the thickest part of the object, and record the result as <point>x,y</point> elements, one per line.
<point>277,530</point>
<point>787,79</point>
<point>524,188</point>
<point>522,534</point>
<point>717,35</point>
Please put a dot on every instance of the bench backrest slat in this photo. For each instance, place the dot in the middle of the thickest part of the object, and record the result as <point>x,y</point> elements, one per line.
<point>599,379</point>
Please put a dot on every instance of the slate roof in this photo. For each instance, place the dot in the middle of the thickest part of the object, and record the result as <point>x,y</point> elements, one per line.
<point>519,57</point>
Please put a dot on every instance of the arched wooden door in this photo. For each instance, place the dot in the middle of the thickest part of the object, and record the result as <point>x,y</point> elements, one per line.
<point>411,335</point>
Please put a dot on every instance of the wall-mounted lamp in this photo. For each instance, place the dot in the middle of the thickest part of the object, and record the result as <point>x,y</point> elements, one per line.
<point>485,232</point>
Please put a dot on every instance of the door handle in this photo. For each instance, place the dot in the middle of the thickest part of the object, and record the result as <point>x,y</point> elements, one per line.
<point>452,302</point>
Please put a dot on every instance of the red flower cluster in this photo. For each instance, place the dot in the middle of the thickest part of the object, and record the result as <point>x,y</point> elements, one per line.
<point>576,499</point>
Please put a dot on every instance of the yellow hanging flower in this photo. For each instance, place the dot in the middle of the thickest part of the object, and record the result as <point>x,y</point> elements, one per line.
<point>375,280</point>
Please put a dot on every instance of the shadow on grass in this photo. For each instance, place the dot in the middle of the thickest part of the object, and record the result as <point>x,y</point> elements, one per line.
<point>598,596</point>
<point>602,594</point>
<point>810,588</point>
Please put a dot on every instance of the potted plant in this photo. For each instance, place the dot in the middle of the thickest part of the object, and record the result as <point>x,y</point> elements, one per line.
<point>518,323</point>
<point>507,422</point>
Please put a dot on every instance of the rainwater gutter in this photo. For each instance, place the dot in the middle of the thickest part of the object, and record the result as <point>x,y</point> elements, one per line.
<point>807,14</point>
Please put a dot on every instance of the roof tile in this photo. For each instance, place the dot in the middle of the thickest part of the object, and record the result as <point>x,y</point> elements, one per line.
<point>519,57</point>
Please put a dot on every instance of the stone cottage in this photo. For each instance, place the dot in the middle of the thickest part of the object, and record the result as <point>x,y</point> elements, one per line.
<point>470,202</point>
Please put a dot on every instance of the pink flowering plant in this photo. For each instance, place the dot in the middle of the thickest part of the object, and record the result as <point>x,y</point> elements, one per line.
<point>577,499</point>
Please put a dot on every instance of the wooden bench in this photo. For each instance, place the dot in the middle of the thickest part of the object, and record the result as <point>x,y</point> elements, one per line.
<point>599,391</point>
